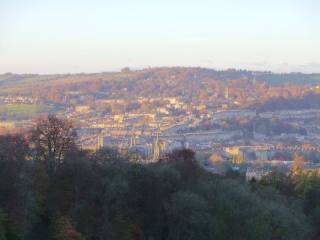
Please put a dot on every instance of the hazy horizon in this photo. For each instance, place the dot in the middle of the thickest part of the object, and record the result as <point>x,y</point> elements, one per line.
<point>155,67</point>
<point>49,37</point>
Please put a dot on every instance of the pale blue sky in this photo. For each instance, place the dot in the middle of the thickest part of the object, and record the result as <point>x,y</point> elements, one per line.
<point>57,36</point>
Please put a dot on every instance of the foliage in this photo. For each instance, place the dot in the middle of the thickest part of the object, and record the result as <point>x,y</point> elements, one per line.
<point>102,195</point>
<point>62,229</point>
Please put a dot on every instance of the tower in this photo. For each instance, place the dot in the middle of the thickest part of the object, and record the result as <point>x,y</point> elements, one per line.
<point>156,147</point>
<point>133,138</point>
<point>131,141</point>
<point>226,93</point>
<point>100,140</point>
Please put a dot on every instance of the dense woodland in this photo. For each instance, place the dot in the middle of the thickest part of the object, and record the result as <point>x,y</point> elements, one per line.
<point>49,189</point>
<point>307,101</point>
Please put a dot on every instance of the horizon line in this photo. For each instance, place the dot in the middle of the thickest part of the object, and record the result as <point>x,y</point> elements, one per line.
<point>137,69</point>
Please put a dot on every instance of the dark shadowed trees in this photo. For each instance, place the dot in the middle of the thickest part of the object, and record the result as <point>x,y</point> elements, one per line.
<point>13,148</point>
<point>63,193</point>
<point>63,229</point>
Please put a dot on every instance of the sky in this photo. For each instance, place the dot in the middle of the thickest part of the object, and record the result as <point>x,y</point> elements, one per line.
<point>68,36</point>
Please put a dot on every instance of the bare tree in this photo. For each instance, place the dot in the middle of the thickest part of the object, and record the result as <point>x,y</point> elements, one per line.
<point>52,138</point>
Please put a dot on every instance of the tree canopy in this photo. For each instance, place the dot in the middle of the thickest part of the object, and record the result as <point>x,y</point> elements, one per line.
<point>103,195</point>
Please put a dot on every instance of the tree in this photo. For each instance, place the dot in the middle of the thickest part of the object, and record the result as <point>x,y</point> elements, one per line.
<point>3,232</point>
<point>63,229</point>
<point>279,180</point>
<point>184,161</point>
<point>215,158</point>
<point>126,70</point>
<point>13,148</point>
<point>109,154</point>
<point>189,217</point>
<point>52,138</point>
<point>298,163</point>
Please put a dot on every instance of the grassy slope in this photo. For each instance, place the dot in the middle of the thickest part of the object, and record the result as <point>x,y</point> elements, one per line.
<point>24,84</point>
<point>12,110</point>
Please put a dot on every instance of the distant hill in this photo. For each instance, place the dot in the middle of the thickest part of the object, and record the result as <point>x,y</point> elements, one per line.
<point>147,81</point>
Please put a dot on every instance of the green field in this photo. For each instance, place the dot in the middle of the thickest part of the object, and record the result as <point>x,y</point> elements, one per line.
<point>26,110</point>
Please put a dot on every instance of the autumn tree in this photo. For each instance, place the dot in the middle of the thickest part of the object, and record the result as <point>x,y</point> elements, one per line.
<point>215,158</point>
<point>298,163</point>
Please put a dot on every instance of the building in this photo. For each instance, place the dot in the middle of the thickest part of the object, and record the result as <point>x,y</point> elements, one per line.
<point>82,109</point>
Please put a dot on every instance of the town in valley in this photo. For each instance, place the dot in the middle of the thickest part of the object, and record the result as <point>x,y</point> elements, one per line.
<point>233,119</point>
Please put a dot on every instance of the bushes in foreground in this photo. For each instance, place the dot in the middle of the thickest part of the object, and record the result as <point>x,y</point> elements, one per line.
<point>173,199</point>
<point>75,195</point>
